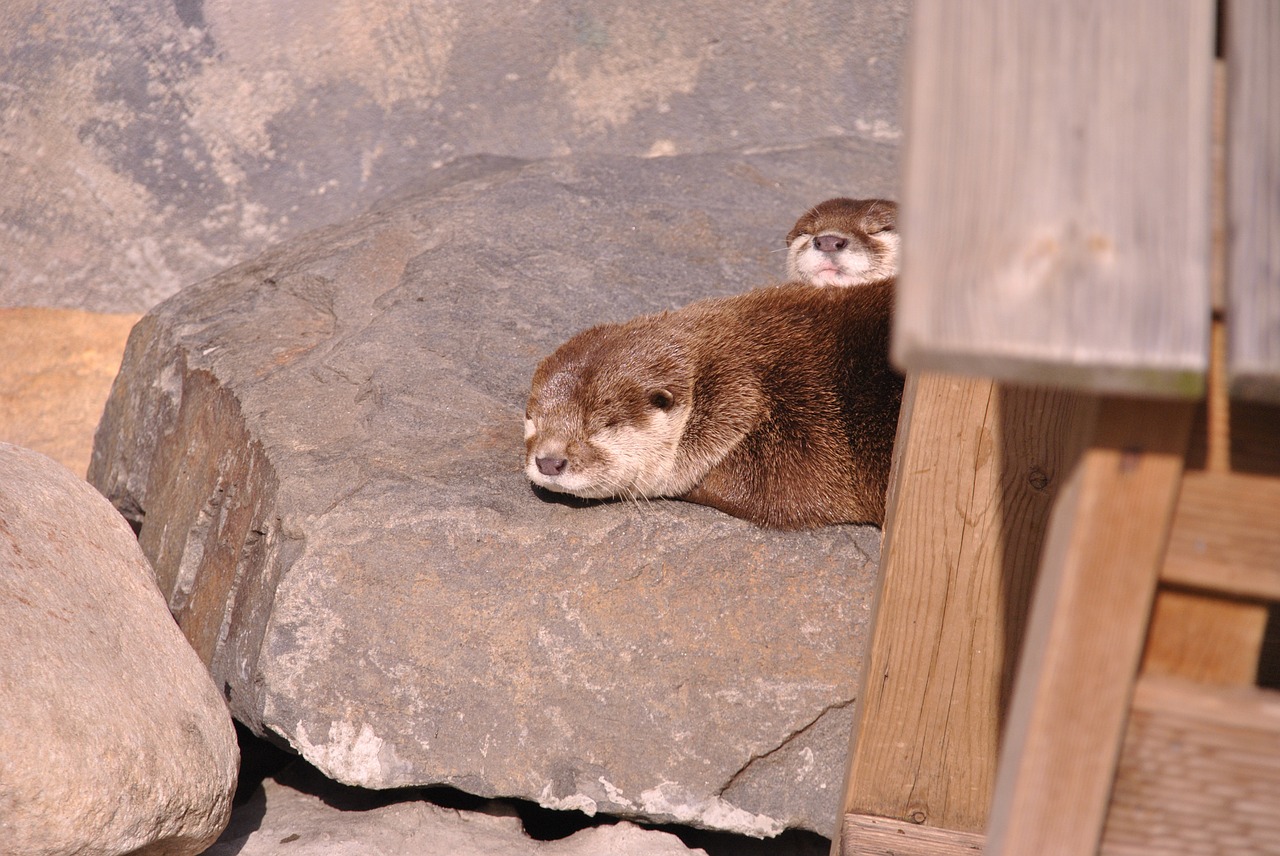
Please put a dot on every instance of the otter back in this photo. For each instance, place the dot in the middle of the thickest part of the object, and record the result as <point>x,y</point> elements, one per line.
<point>777,406</point>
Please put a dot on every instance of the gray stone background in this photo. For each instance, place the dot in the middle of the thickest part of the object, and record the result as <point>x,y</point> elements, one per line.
<point>148,144</point>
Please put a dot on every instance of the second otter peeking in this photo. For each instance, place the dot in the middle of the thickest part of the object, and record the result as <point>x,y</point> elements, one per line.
<point>778,406</point>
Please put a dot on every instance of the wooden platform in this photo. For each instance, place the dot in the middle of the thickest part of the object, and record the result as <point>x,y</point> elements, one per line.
<point>1082,550</point>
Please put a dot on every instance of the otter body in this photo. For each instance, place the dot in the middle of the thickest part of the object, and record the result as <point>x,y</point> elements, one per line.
<point>844,242</point>
<point>777,406</point>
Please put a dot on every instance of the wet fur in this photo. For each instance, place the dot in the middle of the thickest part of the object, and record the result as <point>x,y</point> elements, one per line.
<point>782,405</point>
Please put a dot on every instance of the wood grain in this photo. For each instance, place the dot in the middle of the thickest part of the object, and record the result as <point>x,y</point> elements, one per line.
<point>1226,535</point>
<point>1253,191</point>
<point>1199,773</point>
<point>1056,199</point>
<point>1223,539</point>
<point>976,469</point>
<point>879,836</point>
<point>1086,633</point>
<point>1203,638</point>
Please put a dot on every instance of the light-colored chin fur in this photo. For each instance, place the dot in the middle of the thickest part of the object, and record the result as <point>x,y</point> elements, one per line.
<point>637,461</point>
<point>854,267</point>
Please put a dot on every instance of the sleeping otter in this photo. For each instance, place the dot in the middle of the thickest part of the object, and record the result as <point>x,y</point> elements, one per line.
<point>777,406</point>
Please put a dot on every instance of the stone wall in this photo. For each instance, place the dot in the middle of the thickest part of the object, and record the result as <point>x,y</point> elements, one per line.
<point>147,144</point>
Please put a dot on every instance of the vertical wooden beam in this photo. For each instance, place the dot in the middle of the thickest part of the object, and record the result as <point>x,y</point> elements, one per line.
<point>1056,193</point>
<point>1105,545</point>
<point>1253,196</point>
<point>976,468</point>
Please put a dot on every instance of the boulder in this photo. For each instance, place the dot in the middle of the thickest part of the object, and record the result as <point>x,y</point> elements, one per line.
<point>57,370</point>
<point>113,739</point>
<point>149,144</point>
<point>323,451</point>
<point>295,815</point>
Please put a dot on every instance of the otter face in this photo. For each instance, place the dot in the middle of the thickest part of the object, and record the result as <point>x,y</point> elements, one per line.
<point>844,242</point>
<point>606,415</point>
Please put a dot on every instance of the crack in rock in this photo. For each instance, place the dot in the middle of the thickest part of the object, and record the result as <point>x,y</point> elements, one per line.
<point>786,741</point>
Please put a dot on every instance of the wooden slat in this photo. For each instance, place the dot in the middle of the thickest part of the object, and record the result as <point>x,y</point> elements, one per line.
<point>880,836</point>
<point>1087,627</point>
<point>1199,773</point>
<point>976,469</point>
<point>1253,157</point>
<point>1206,639</point>
<point>1212,639</point>
<point>1056,193</point>
<point>1226,535</point>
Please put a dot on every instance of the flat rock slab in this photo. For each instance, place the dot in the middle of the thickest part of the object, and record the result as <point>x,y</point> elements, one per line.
<point>113,739</point>
<point>323,449</point>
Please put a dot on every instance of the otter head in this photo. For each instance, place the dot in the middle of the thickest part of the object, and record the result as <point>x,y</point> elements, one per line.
<point>607,412</point>
<point>844,242</point>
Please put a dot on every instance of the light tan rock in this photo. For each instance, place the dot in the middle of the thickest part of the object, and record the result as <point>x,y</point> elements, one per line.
<point>113,738</point>
<point>304,816</point>
<point>55,373</point>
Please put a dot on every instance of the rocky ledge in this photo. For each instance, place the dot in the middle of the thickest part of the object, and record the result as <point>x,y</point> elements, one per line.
<point>322,450</point>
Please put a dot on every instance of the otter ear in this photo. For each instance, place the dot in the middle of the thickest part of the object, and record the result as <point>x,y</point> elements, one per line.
<point>661,399</point>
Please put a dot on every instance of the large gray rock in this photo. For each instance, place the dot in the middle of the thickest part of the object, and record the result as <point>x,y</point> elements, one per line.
<point>149,144</point>
<point>323,449</point>
<point>112,737</point>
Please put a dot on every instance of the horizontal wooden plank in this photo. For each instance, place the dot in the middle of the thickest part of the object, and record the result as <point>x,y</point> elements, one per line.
<point>1199,772</point>
<point>1253,145</point>
<point>864,835</point>
<point>1056,193</point>
<point>1226,535</point>
<point>1214,640</point>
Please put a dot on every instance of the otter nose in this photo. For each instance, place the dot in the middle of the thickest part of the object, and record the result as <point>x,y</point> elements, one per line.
<point>551,466</point>
<point>830,243</point>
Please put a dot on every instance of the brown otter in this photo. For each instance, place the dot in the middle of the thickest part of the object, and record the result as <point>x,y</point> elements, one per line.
<point>844,242</point>
<point>778,406</point>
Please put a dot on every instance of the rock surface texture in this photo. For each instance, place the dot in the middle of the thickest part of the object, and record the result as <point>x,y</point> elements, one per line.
<point>113,739</point>
<point>151,143</point>
<point>292,816</point>
<point>323,448</point>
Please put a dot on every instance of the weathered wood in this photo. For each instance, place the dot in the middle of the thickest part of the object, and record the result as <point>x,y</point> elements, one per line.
<point>976,468</point>
<point>1253,157</point>
<point>1056,193</point>
<point>863,835</point>
<point>1199,773</point>
<point>1085,636</point>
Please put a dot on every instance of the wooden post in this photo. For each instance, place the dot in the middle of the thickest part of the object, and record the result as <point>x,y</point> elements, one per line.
<point>1088,623</point>
<point>976,468</point>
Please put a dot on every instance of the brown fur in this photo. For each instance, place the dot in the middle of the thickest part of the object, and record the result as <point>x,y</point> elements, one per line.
<point>786,403</point>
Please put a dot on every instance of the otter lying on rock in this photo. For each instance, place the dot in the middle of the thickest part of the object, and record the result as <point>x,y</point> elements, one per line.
<point>777,406</point>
